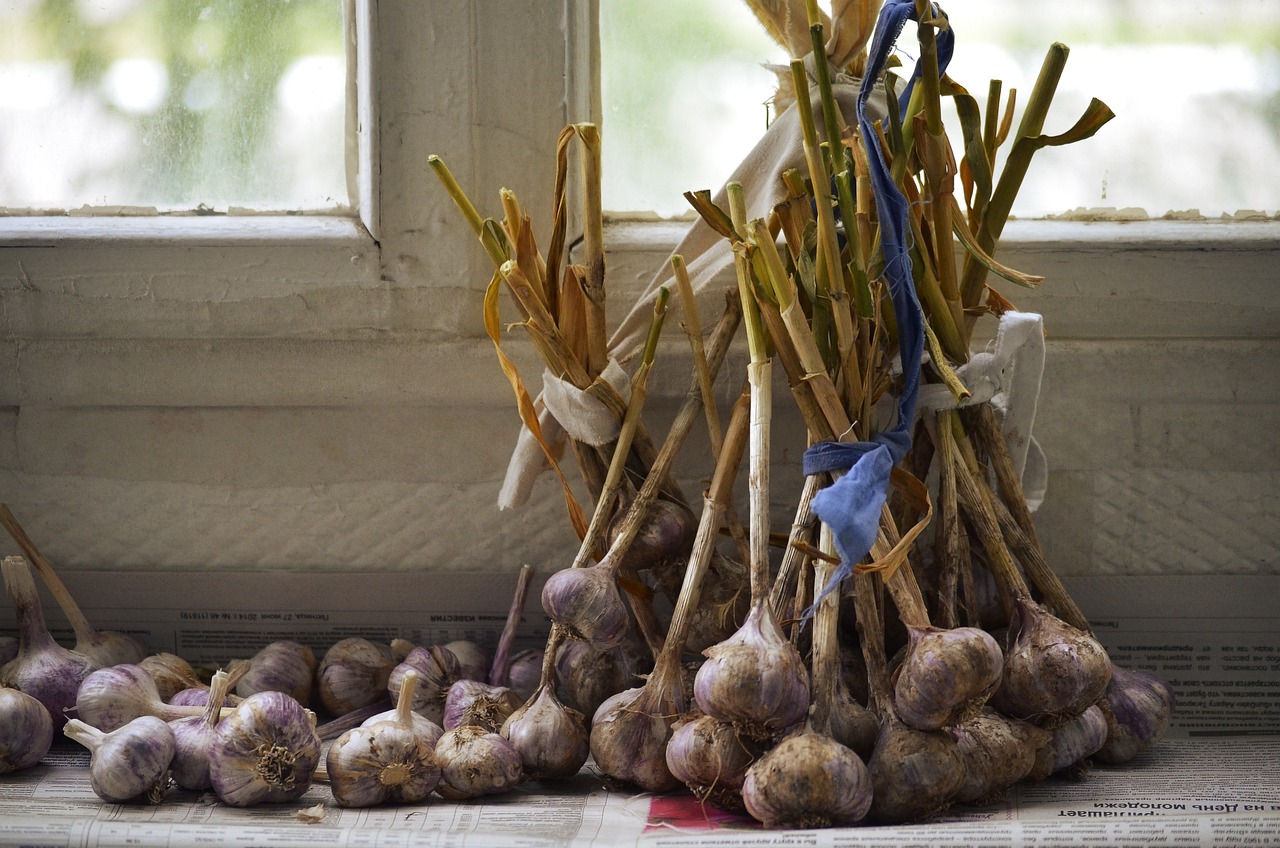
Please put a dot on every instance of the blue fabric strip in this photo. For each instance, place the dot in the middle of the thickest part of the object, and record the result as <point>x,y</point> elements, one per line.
<point>852,505</point>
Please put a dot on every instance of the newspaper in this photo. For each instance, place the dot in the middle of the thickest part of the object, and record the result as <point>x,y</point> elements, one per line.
<point>1215,781</point>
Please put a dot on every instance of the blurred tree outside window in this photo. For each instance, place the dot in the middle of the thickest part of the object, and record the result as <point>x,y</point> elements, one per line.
<point>172,104</point>
<point>1195,85</point>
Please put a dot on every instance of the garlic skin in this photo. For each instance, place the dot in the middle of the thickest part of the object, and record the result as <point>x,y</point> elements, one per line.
<point>1138,706</point>
<point>586,602</point>
<point>997,753</point>
<point>629,735</point>
<point>130,764</point>
<point>808,780</point>
<point>1052,671</point>
<point>266,751</point>
<point>171,673</point>
<point>1071,744</point>
<point>26,730</point>
<point>283,666</point>
<point>551,739</point>
<point>470,702</point>
<point>755,680</point>
<point>437,669</point>
<point>947,675</point>
<point>42,668</point>
<point>708,756</point>
<point>914,773</point>
<point>353,674</point>
<point>110,698</point>
<point>474,762</point>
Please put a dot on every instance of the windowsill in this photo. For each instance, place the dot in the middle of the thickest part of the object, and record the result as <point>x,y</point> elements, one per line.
<point>173,230</point>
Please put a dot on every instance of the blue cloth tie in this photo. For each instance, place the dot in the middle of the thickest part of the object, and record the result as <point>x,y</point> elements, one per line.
<point>852,505</point>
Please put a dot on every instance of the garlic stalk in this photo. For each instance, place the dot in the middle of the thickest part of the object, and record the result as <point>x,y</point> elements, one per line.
<point>630,730</point>
<point>42,668</point>
<point>266,751</point>
<point>387,761</point>
<point>502,655</point>
<point>193,736</point>
<point>104,647</point>
<point>834,710</point>
<point>353,673</point>
<point>130,764</point>
<point>26,730</point>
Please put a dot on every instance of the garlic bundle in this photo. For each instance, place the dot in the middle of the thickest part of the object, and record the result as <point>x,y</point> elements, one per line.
<point>470,702</point>
<point>997,752</point>
<point>1052,671</point>
<point>193,736</point>
<point>1138,706</point>
<point>353,674</point>
<point>474,762</point>
<point>947,675</point>
<point>130,764</point>
<point>437,669</point>
<point>709,757</point>
<point>551,739</point>
<point>43,669</point>
<point>26,730</point>
<point>388,761</point>
<point>171,673</point>
<point>112,697</point>
<point>266,751</point>
<point>284,666</point>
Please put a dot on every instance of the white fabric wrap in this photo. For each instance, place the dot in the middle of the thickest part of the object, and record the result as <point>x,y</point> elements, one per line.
<point>564,410</point>
<point>1008,375</point>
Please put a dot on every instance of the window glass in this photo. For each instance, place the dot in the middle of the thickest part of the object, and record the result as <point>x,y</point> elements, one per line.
<point>1195,85</point>
<point>173,104</point>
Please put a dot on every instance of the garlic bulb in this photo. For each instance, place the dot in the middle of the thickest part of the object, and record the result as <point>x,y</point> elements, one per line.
<point>385,761</point>
<point>1138,706</point>
<point>43,669</point>
<point>997,752</point>
<point>525,673</point>
<point>171,673</point>
<point>130,763</point>
<point>711,758</point>
<point>915,774</point>
<point>26,730</point>
<point>1071,744</point>
<point>807,780</point>
<point>755,679</point>
<point>630,731</point>
<point>473,662</point>
<point>586,602</point>
<point>438,670</point>
<point>470,702</point>
<point>353,674</point>
<point>422,726</point>
<point>551,739</point>
<point>946,676</point>
<point>589,675</point>
<point>1052,671</point>
<point>266,751</point>
<point>192,737</point>
<point>110,698</point>
<point>666,532</point>
<point>474,762</point>
<point>283,666</point>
